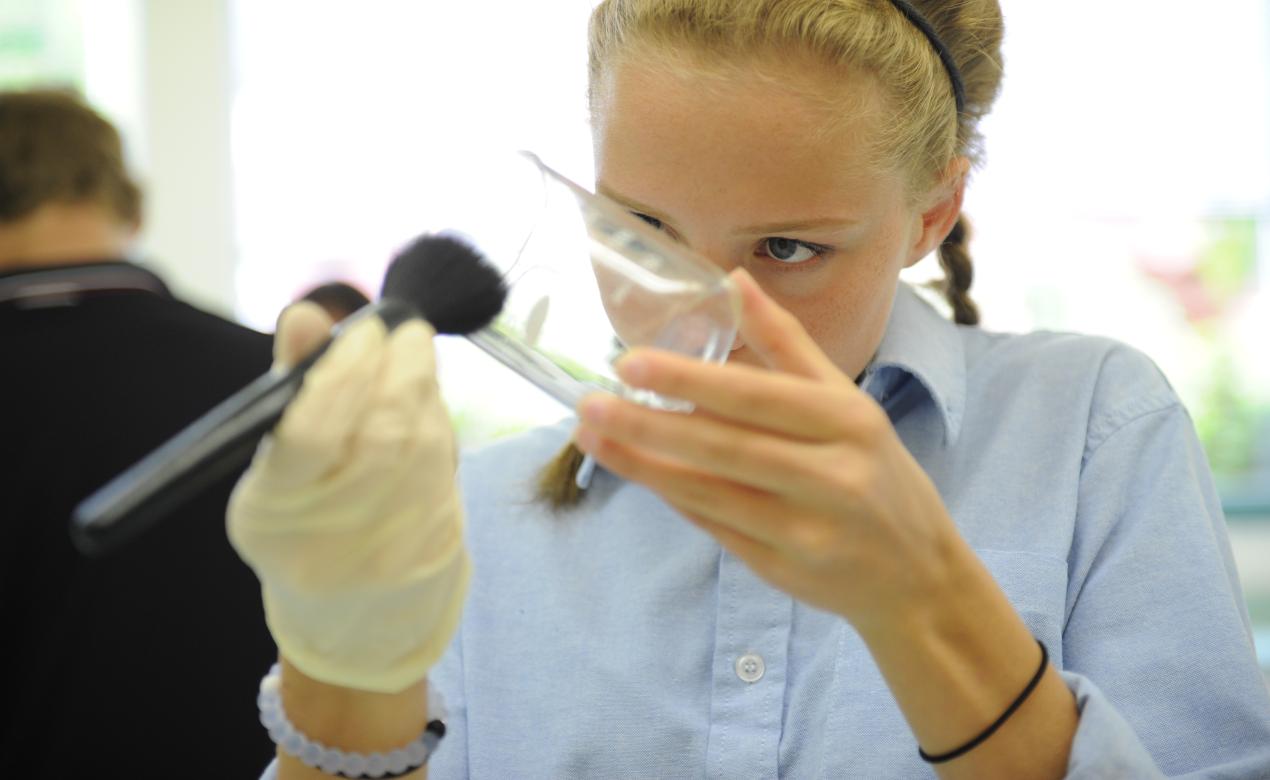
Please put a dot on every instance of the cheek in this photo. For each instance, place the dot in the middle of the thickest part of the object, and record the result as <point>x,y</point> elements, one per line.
<point>844,308</point>
<point>842,328</point>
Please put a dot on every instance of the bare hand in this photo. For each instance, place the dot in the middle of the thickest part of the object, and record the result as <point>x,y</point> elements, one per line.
<point>794,470</point>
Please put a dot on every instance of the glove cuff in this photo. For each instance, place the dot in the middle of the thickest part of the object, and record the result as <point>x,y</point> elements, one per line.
<point>369,668</point>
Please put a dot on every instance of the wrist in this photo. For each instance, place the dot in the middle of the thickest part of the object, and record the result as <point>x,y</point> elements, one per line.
<point>344,728</point>
<point>351,719</point>
<point>956,661</point>
<point>931,576</point>
<point>956,617</point>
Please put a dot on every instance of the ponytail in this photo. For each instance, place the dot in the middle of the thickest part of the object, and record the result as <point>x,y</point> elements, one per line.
<point>557,482</point>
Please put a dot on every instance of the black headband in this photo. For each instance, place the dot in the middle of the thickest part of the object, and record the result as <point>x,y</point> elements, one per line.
<point>945,56</point>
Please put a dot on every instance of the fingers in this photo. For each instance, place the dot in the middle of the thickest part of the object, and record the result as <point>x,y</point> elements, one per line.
<point>405,407</point>
<point>777,336</point>
<point>707,445</point>
<point>805,397</point>
<point>755,397</point>
<point>698,496</point>
<point>319,422</point>
<point>367,426</point>
<point>760,557</point>
<point>410,371</point>
<point>760,526</point>
<point>302,327</point>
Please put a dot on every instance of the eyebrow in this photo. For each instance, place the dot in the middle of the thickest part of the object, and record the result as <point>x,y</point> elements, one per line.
<point>767,228</point>
<point>626,202</point>
<point>800,225</point>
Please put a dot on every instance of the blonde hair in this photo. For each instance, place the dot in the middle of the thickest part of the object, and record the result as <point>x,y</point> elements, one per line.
<point>921,133</point>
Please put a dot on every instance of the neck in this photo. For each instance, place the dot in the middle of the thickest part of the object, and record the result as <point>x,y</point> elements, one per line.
<point>58,234</point>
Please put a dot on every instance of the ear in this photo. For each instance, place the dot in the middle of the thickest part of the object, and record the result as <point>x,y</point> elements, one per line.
<point>940,211</point>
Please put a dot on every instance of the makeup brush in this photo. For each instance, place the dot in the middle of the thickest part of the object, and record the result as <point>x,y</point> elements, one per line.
<point>441,279</point>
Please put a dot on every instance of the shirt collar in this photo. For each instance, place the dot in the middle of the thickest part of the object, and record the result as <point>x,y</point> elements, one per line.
<point>921,343</point>
<point>66,284</point>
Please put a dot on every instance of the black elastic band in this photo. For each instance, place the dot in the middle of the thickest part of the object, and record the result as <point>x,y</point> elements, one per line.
<point>974,743</point>
<point>945,56</point>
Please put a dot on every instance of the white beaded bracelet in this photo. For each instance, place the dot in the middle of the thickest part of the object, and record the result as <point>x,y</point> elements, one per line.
<point>333,761</point>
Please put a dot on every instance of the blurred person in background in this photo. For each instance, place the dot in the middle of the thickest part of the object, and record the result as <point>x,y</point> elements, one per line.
<point>101,365</point>
<point>338,299</point>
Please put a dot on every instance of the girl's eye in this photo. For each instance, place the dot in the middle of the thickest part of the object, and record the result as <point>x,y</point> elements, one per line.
<point>791,251</point>
<point>652,221</point>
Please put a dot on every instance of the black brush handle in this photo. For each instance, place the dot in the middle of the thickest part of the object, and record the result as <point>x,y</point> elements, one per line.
<point>212,447</point>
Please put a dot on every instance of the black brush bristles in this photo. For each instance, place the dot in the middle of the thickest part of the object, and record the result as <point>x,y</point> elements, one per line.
<point>451,284</point>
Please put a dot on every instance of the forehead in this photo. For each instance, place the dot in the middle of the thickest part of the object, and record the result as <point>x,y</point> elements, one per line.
<point>735,133</point>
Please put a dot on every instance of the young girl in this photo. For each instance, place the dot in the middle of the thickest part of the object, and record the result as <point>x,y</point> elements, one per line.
<point>884,544</point>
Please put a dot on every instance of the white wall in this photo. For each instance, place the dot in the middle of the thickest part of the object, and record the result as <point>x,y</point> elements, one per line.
<point>189,234</point>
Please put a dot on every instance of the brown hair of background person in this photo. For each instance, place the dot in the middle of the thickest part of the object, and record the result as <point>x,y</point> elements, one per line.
<point>101,365</point>
<point>65,191</point>
<point>64,153</point>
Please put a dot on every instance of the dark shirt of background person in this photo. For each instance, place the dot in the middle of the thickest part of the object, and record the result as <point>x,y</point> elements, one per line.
<point>101,365</point>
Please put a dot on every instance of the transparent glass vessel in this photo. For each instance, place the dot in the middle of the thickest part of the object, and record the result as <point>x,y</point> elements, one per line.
<point>587,282</point>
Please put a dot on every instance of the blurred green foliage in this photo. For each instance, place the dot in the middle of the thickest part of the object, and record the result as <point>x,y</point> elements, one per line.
<point>1232,415</point>
<point>1227,266</point>
<point>1231,420</point>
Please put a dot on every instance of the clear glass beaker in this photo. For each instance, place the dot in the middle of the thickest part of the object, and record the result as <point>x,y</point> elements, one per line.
<point>588,281</point>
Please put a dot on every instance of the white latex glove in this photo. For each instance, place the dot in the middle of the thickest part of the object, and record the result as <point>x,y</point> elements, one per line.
<point>350,515</point>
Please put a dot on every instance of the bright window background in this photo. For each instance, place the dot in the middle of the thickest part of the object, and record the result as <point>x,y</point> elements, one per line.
<point>354,140</point>
<point>1126,191</point>
<point>91,45</point>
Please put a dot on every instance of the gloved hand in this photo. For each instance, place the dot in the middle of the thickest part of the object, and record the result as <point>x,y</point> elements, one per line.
<point>349,513</point>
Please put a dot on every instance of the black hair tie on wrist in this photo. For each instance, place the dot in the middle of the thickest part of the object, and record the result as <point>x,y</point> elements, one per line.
<point>977,741</point>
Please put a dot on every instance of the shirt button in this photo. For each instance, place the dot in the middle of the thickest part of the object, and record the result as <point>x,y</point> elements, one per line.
<point>749,667</point>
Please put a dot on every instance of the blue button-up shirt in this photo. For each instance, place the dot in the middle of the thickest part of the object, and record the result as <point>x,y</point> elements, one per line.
<point>619,641</point>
